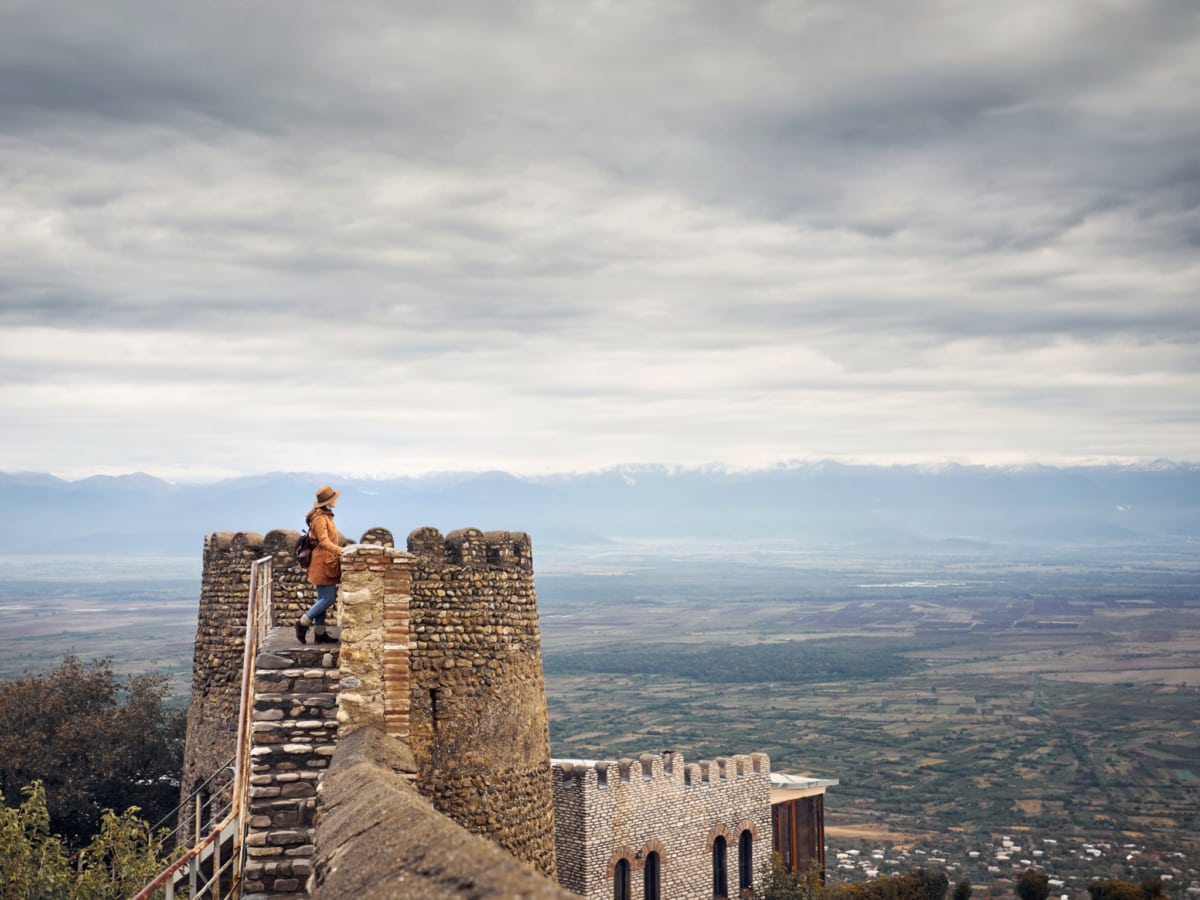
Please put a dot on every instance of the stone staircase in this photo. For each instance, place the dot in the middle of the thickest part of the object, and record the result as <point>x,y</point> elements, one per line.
<point>293,736</point>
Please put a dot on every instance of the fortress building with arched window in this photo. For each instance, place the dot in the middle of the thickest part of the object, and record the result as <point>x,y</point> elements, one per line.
<point>655,826</point>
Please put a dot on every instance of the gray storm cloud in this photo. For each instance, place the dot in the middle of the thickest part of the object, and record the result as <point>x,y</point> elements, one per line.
<point>545,237</point>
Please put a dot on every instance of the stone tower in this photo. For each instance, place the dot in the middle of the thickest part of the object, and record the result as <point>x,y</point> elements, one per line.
<point>479,729</point>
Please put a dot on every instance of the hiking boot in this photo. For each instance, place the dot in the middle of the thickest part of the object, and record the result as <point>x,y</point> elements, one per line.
<point>302,631</point>
<point>322,638</point>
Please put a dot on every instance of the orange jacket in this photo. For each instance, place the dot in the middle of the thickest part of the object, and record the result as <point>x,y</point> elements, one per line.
<point>326,564</point>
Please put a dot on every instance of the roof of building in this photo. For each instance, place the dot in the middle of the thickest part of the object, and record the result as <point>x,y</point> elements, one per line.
<point>786,787</point>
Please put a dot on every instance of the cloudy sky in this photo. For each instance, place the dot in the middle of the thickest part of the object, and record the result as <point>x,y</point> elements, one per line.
<point>546,237</point>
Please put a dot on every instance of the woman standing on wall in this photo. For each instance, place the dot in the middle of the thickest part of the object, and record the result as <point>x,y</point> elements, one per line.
<point>325,569</point>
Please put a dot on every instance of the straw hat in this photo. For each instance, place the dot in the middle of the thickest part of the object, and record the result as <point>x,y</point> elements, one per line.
<point>326,497</point>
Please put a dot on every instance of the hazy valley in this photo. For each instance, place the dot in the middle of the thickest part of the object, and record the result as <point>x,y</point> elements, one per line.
<point>959,702</point>
<point>988,695</point>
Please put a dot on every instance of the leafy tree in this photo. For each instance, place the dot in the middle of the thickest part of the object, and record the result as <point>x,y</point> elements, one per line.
<point>95,741</point>
<point>935,883</point>
<point>1114,889</point>
<point>1033,885</point>
<point>122,858</point>
<point>776,883</point>
<point>33,862</point>
<point>962,890</point>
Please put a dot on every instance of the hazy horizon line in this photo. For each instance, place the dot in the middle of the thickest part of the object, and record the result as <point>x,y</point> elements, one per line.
<point>75,476</point>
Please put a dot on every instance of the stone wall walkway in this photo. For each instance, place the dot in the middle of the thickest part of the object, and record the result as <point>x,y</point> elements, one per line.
<point>293,737</point>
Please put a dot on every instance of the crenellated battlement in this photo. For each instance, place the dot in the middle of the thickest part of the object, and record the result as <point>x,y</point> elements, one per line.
<point>278,542</point>
<point>650,770</point>
<point>657,805</point>
<point>465,547</point>
<point>473,549</point>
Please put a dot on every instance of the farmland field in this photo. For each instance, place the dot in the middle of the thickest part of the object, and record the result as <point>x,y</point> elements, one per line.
<point>1055,708</point>
<point>978,715</point>
<point>141,612</point>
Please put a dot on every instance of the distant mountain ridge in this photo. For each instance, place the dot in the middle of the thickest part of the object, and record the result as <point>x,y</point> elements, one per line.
<point>825,504</point>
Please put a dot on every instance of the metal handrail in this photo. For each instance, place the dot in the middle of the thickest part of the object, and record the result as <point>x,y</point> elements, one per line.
<point>194,798</point>
<point>258,624</point>
<point>260,589</point>
<point>166,878</point>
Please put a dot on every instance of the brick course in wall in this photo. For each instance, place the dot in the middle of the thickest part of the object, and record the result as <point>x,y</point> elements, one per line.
<point>376,594</point>
<point>626,809</point>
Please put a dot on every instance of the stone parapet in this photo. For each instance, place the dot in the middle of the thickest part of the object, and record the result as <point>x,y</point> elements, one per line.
<point>642,775</point>
<point>473,549</point>
<point>412,850</point>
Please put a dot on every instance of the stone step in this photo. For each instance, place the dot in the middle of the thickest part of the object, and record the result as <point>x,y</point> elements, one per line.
<point>281,641</point>
<point>293,734</point>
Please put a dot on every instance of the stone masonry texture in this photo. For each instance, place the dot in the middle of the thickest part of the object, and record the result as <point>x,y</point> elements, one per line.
<point>629,808</point>
<point>468,646</point>
<point>220,640</point>
<point>479,728</point>
<point>378,839</point>
<point>293,734</point>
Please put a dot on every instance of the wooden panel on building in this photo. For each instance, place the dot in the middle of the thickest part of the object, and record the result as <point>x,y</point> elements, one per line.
<point>798,820</point>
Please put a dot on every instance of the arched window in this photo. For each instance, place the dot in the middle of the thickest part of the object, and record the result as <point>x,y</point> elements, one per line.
<point>745,860</point>
<point>621,880</point>
<point>720,872</point>
<point>651,890</point>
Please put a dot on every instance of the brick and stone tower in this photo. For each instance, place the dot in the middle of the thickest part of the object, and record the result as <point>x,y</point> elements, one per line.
<point>475,716</point>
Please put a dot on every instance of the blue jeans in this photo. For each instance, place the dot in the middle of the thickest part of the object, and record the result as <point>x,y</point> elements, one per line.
<point>326,594</point>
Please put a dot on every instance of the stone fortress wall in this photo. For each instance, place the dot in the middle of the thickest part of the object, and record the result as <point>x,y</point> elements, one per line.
<point>478,726</point>
<point>441,654</point>
<point>627,809</point>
